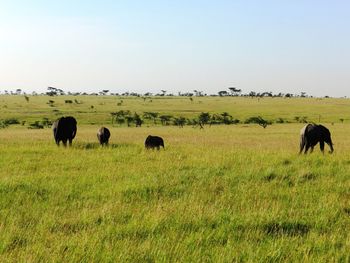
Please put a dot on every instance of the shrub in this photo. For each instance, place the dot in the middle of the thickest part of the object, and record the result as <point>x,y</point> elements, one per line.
<point>165,119</point>
<point>3,125</point>
<point>301,119</point>
<point>204,118</point>
<point>11,121</point>
<point>180,121</point>
<point>258,120</point>
<point>36,125</point>
<point>46,122</point>
<point>137,119</point>
<point>280,120</point>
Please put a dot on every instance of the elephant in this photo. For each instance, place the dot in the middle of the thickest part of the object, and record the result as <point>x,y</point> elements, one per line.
<point>154,142</point>
<point>103,135</point>
<point>311,134</point>
<point>64,129</point>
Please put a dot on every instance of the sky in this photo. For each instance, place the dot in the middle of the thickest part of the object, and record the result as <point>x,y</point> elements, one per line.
<point>183,45</point>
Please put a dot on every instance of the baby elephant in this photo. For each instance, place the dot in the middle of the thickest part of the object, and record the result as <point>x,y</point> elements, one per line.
<point>154,142</point>
<point>103,135</point>
<point>311,134</point>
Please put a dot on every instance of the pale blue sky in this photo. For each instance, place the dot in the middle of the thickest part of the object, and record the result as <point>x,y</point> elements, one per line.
<point>287,46</point>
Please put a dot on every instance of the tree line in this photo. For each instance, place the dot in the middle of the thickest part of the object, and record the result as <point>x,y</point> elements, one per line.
<point>128,118</point>
<point>231,91</point>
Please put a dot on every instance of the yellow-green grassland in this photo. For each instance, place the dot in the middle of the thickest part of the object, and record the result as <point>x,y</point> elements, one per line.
<point>224,193</point>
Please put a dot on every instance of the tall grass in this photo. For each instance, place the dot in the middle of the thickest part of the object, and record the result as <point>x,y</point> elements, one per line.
<point>220,194</point>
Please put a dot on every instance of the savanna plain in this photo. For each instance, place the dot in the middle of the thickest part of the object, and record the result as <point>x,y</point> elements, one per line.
<point>225,193</point>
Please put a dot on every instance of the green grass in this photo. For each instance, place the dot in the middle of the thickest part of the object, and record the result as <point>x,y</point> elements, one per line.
<point>315,109</point>
<point>223,194</point>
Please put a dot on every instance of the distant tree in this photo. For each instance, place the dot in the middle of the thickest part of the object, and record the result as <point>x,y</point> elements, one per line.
<point>223,93</point>
<point>204,118</point>
<point>215,119</point>
<point>226,117</point>
<point>51,91</point>
<point>165,119</point>
<point>129,119</point>
<point>120,121</point>
<point>301,119</point>
<point>151,116</point>
<point>180,121</point>
<point>137,120</point>
<point>252,94</point>
<point>235,91</point>
<point>60,92</point>
<point>258,120</point>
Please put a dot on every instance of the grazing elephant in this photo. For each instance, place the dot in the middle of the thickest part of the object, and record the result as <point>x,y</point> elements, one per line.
<point>64,129</point>
<point>154,142</point>
<point>311,134</point>
<point>103,135</point>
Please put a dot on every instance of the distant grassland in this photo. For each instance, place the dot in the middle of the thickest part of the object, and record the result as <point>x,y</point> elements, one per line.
<point>315,109</point>
<point>237,193</point>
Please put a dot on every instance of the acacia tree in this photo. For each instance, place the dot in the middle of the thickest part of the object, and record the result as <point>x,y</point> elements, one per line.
<point>223,93</point>
<point>165,119</point>
<point>137,119</point>
<point>235,91</point>
<point>226,118</point>
<point>204,118</point>
<point>120,116</point>
<point>180,121</point>
<point>151,116</point>
<point>258,120</point>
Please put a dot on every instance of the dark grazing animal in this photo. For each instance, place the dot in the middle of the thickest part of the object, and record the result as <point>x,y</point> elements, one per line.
<point>154,142</point>
<point>311,134</point>
<point>64,129</point>
<point>103,135</point>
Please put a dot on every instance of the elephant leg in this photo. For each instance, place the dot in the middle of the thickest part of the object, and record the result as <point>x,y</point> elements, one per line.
<point>306,148</point>
<point>322,146</point>
<point>312,149</point>
<point>302,145</point>
<point>70,142</point>
<point>64,143</point>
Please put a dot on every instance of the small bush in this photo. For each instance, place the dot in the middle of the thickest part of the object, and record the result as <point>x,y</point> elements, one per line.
<point>301,119</point>
<point>258,120</point>
<point>36,125</point>
<point>11,121</point>
<point>3,125</point>
<point>180,121</point>
<point>280,120</point>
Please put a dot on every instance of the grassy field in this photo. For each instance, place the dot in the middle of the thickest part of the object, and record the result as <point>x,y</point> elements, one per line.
<point>96,110</point>
<point>237,193</point>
